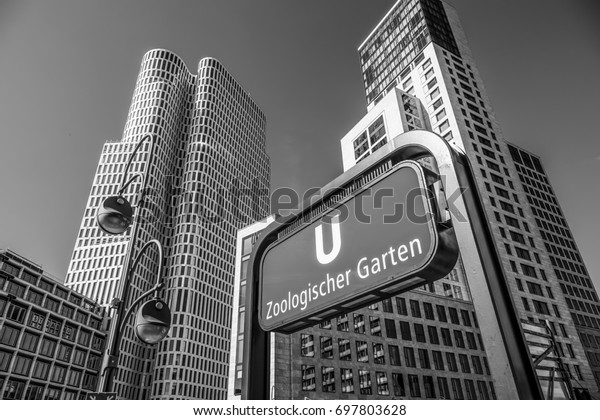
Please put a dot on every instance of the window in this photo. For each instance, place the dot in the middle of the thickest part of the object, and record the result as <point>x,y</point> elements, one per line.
<point>347,381</point>
<point>419,333</point>
<point>398,384</point>
<point>13,288</point>
<point>362,353</point>
<point>465,317</point>
<point>51,304</point>
<point>451,359</point>
<point>84,338</point>
<point>64,353</point>
<point>308,378</point>
<point>29,342</point>
<point>375,325</point>
<point>378,354</point>
<point>35,297</point>
<point>458,339</point>
<point>89,381</point>
<point>471,340</point>
<point>359,324</point>
<point>483,393</point>
<point>428,386</point>
<point>342,323</point>
<point>446,338</point>
<point>5,358</point>
<point>14,390</point>
<point>9,335</point>
<point>433,335</point>
<point>382,383</point>
<point>344,349</point>
<point>364,379</point>
<point>477,365</point>
<point>401,305</point>
<point>457,389</point>
<point>390,328</point>
<point>415,309</point>
<point>441,311</point>
<point>464,363</point>
<point>541,307</point>
<point>409,357</point>
<point>34,392</point>
<point>424,359</point>
<point>22,365</point>
<point>413,385</point>
<point>470,389</point>
<point>428,309</point>
<point>307,345</point>
<point>16,313</point>
<point>326,348</point>
<point>328,378</point>
<point>47,348</point>
<point>387,306</point>
<point>79,357</point>
<point>454,316</point>
<point>438,360</point>
<point>405,331</point>
<point>394,353</point>
<point>528,270</point>
<point>98,343</point>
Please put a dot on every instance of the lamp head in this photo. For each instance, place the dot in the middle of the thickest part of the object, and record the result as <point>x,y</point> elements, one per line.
<point>115,215</point>
<point>153,321</point>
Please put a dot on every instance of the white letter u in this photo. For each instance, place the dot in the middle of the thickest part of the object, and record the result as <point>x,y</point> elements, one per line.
<point>337,241</point>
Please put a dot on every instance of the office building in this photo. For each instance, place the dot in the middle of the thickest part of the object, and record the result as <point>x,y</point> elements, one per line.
<point>51,337</point>
<point>208,178</point>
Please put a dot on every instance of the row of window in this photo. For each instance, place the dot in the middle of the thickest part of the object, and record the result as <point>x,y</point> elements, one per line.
<point>380,383</point>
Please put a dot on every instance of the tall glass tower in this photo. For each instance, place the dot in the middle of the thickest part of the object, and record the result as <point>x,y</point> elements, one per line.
<point>208,171</point>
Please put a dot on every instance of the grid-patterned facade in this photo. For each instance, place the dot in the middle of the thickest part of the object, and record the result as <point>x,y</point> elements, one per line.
<point>565,259</point>
<point>51,338</point>
<point>207,179</point>
<point>448,84</point>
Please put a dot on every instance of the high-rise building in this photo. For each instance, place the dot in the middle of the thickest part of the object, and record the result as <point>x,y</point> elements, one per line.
<point>208,178</point>
<point>418,72</point>
<point>51,337</point>
<point>420,47</point>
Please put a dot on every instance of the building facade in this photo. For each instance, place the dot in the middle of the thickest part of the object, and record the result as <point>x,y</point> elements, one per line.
<point>51,338</point>
<point>209,177</point>
<point>420,47</point>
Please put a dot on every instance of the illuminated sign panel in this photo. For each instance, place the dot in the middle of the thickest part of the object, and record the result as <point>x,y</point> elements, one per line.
<point>382,240</point>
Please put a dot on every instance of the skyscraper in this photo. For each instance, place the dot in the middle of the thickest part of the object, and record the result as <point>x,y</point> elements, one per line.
<point>418,72</point>
<point>419,47</point>
<point>207,179</point>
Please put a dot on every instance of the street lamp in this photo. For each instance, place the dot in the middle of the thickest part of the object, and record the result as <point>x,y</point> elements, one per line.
<point>115,213</point>
<point>153,319</point>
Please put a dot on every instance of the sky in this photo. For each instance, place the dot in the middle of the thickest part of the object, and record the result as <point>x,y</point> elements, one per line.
<point>68,70</point>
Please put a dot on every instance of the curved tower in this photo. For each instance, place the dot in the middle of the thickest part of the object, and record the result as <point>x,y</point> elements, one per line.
<point>208,178</point>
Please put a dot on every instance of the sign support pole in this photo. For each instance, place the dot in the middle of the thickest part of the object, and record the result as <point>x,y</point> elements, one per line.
<point>510,363</point>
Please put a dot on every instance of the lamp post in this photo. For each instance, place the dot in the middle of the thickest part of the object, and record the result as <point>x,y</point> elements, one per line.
<point>153,319</point>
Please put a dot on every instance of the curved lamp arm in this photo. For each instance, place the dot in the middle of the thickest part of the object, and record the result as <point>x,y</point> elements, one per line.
<point>124,183</point>
<point>157,287</point>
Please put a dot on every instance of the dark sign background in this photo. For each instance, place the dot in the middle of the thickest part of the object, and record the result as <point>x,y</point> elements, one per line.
<point>289,265</point>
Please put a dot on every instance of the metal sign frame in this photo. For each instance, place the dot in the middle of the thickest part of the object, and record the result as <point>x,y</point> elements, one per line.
<point>508,356</point>
<point>439,260</point>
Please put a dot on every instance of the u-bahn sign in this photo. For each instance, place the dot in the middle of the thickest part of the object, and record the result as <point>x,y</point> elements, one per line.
<point>382,239</point>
